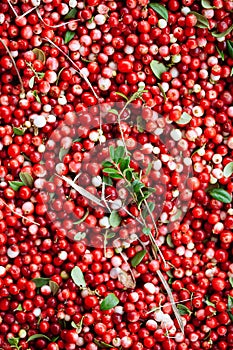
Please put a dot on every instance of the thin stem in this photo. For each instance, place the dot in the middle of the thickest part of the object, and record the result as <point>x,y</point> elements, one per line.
<point>15,66</point>
<point>11,6</point>
<point>14,212</point>
<point>76,67</point>
<point>176,302</point>
<point>27,12</point>
<point>103,197</point>
<point>57,25</point>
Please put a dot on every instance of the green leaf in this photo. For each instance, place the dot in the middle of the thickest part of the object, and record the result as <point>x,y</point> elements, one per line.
<point>128,174</point>
<point>146,192</point>
<point>209,303</point>
<point>113,111</point>
<point>228,170</point>
<point>162,91</point>
<point>221,195</point>
<point>82,219</point>
<point>183,310</point>
<point>109,302</point>
<point>230,302</point>
<point>137,185</point>
<point>68,36</point>
<point>79,236</point>
<point>230,48</point>
<point>169,241</point>
<point>77,140</point>
<point>114,175</point>
<point>13,341</point>
<point>176,216</point>
<point>124,163</point>
<point>110,235</point>
<point>146,231</point>
<point>54,287</point>
<point>62,153</point>
<point>107,164</point>
<point>221,53</point>
<point>15,185</point>
<point>35,94</point>
<point>78,277</point>
<point>169,273</point>
<point>102,344</point>
<point>138,258</point>
<point>71,14</point>
<point>114,219</point>
<point>41,281</point>
<point>122,95</point>
<point>202,21</point>
<point>107,180</point>
<point>19,308</point>
<point>78,326</point>
<point>37,336</point>
<point>206,4</point>
<point>184,119</point>
<point>31,82</point>
<point>145,211</point>
<point>230,306</point>
<point>18,131</point>
<point>157,68</point>
<point>119,153</point>
<point>27,179</point>
<point>111,152</point>
<point>160,9</point>
<point>223,34</point>
<point>231,281</point>
<point>110,171</point>
<point>231,72</point>
<point>140,124</point>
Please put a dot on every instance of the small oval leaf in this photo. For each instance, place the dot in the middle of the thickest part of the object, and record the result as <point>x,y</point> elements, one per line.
<point>15,185</point>
<point>62,153</point>
<point>78,277</point>
<point>206,4</point>
<point>138,258</point>
<point>79,236</point>
<point>71,14</point>
<point>202,21</point>
<point>31,82</point>
<point>222,34</point>
<point>122,95</point>
<point>27,179</point>
<point>157,68</point>
<point>37,336</point>
<point>101,344</point>
<point>40,55</point>
<point>230,48</point>
<point>18,131</point>
<point>228,170</point>
<point>160,9</point>
<point>69,36</point>
<point>169,241</point>
<point>54,287</point>
<point>114,219</point>
<point>41,281</point>
<point>184,119</point>
<point>109,302</point>
<point>183,310</point>
<point>221,195</point>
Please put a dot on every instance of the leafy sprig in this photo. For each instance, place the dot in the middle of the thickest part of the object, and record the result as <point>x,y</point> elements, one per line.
<point>119,168</point>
